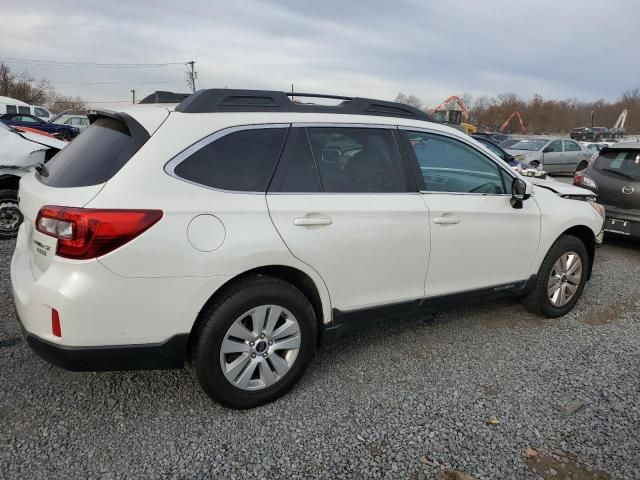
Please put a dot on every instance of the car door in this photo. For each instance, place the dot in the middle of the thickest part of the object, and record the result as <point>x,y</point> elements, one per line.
<point>478,240</point>
<point>553,157</point>
<point>343,203</point>
<point>574,154</point>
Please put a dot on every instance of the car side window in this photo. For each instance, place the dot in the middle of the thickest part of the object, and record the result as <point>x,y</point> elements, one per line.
<point>570,146</point>
<point>41,112</point>
<point>357,160</point>
<point>12,109</point>
<point>240,161</point>
<point>25,110</point>
<point>300,174</point>
<point>448,165</point>
<point>554,147</point>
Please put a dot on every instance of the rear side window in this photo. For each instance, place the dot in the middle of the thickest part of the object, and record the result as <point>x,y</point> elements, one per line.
<point>241,161</point>
<point>25,110</point>
<point>93,157</point>
<point>12,109</point>
<point>357,160</point>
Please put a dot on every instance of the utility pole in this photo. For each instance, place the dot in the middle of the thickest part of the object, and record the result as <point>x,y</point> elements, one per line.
<point>192,75</point>
<point>133,92</point>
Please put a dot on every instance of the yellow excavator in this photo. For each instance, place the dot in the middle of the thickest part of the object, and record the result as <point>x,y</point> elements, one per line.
<point>452,112</point>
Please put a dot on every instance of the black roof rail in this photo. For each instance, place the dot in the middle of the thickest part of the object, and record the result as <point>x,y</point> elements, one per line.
<point>161,96</point>
<point>234,100</point>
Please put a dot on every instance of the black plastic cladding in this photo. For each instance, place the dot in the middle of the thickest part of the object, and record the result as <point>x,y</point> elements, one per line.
<point>227,100</point>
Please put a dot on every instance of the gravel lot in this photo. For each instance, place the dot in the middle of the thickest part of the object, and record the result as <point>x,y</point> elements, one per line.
<point>408,399</point>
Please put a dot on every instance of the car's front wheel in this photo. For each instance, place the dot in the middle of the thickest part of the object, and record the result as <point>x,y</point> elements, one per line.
<point>560,279</point>
<point>254,343</point>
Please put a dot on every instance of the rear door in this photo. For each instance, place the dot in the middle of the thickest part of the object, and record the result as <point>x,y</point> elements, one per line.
<point>343,203</point>
<point>573,155</point>
<point>554,157</point>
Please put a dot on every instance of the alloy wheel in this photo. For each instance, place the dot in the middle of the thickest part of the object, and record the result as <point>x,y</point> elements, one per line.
<point>10,217</point>
<point>260,347</point>
<point>564,279</point>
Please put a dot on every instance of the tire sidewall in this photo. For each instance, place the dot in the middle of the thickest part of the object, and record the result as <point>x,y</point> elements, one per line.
<point>9,196</point>
<point>206,360</point>
<point>565,244</point>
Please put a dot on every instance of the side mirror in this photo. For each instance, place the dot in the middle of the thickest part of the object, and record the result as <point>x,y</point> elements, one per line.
<point>520,191</point>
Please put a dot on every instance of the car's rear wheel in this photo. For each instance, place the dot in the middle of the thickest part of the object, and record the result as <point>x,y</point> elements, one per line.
<point>65,135</point>
<point>254,343</point>
<point>560,279</point>
<point>534,164</point>
<point>581,166</point>
<point>10,215</point>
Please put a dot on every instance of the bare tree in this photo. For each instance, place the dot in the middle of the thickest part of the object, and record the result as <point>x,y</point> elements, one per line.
<point>411,100</point>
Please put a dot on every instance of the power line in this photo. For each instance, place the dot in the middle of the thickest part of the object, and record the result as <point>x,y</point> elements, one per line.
<point>112,83</point>
<point>51,63</point>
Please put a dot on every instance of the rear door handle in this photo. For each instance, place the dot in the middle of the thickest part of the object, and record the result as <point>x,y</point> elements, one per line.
<point>446,220</point>
<point>310,221</point>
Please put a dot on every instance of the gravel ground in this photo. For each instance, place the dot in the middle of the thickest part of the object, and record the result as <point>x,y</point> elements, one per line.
<point>489,391</point>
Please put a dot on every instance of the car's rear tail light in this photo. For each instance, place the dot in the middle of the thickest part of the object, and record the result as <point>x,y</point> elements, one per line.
<point>85,233</point>
<point>581,180</point>
<point>55,323</point>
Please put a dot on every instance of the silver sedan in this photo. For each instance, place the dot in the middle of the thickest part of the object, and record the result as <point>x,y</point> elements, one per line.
<point>556,155</point>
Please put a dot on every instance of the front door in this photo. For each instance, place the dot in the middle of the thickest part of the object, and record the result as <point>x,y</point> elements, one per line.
<point>553,157</point>
<point>478,240</point>
<point>342,203</point>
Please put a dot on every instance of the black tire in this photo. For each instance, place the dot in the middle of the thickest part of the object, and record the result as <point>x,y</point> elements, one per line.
<point>10,216</point>
<point>581,166</point>
<point>65,135</point>
<point>534,164</point>
<point>537,301</point>
<point>223,312</point>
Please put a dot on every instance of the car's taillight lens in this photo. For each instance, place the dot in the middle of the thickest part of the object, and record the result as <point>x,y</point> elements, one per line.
<point>85,233</point>
<point>581,180</point>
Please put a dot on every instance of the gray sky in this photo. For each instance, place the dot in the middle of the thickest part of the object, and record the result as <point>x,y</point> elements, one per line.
<point>374,48</point>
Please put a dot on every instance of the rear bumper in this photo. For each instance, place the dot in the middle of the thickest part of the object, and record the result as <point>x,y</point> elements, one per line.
<point>159,356</point>
<point>622,214</point>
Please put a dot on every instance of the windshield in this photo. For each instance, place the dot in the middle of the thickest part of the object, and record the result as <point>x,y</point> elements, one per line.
<point>625,163</point>
<point>529,144</point>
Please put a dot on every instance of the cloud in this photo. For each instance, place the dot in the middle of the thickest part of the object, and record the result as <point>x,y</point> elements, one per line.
<point>374,48</point>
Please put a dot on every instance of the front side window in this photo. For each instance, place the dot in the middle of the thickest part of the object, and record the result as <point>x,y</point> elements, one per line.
<point>41,112</point>
<point>28,119</point>
<point>240,161</point>
<point>448,165</point>
<point>356,160</point>
<point>554,147</point>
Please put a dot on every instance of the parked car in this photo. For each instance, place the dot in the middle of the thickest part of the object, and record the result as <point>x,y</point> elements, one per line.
<point>81,122</point>
<point>65,132</point>
<point>556,155</point>
<point>19,152</point>
<point>499,151</point>
<point>508,142</point>
<point>12,105</point>
<point>495,137</point>
<point>615,177</point>
<point>240,229</point>
<point>593,134</point>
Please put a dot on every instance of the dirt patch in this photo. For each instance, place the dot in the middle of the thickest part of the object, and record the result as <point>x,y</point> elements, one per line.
<point>490,390</point>
<point>610,313</point>
<point>453,475</point>
<point>508,316</point>
<point>563,467</point>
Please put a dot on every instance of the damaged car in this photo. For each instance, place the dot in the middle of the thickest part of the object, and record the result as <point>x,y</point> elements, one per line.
<point>19,153</point>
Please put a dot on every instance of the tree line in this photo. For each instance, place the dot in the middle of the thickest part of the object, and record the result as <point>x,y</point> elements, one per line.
<point>24,87</point>
<point>545,116</point>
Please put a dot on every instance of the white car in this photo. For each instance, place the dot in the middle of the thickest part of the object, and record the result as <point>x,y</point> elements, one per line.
<point>241,229</point>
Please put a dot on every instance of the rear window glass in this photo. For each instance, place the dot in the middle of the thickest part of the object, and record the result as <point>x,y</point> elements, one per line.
<point>241,161</point>
<point>93,157</point>
<point>624,164</point>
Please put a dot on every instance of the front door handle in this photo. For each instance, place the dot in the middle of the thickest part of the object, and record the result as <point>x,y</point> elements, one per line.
<point>311,221</point>
<point>446,220</point>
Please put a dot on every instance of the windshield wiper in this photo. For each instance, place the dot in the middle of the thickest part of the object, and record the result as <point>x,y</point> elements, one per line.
<point>610,170</point>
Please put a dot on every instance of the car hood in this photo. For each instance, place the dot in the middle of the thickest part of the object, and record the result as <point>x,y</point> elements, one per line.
<point>523,153</point>
<point>560,188</point>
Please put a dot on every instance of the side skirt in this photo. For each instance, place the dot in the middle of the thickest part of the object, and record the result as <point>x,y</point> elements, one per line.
<point>345,322</point>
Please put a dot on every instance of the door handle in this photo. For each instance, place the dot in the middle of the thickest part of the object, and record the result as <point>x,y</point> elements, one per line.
<point>311,221</point>
<point>446,220</point>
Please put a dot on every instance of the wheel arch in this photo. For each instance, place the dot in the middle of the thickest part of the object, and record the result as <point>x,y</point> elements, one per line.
<point>586,235</point>
<point>9,182</point>
<point>292,275</point>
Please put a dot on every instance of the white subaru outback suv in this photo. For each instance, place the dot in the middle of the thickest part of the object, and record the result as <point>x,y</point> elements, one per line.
<point>240,229</point>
